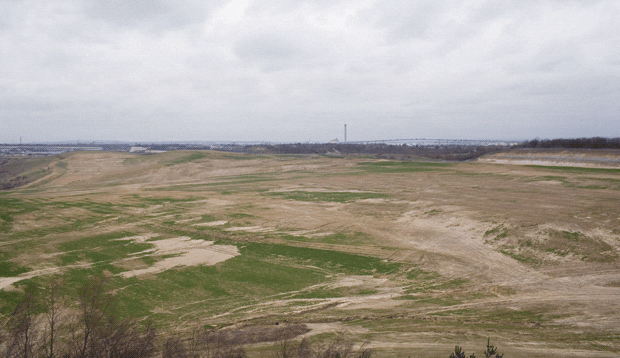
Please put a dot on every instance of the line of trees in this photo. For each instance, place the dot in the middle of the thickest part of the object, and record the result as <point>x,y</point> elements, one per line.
<point>575,143</point>
<point>381,150</point>
<point>44,325</point>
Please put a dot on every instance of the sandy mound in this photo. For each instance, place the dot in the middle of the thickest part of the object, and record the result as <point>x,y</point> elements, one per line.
<point>556,157</point>
<point>212,223</point>
<point>191,253</point>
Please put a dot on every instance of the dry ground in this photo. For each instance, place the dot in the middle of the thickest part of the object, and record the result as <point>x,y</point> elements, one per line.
<point>526,255</point>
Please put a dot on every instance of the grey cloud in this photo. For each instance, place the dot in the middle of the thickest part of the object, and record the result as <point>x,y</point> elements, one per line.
<point>275,52</point>
<point>9,12</point>
<point>414,19</point>
<point>280,6</point>
<point>152,14</point>
<point>297,70</point>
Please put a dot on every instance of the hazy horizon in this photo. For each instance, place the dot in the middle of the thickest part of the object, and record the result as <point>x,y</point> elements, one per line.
<point>286,72</point>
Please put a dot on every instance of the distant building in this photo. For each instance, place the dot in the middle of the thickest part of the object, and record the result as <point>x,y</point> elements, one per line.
<point>138,149</point>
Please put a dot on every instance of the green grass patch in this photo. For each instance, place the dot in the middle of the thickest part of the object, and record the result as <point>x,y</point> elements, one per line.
<point>9,207</point>
<point>439,301</point>
<point>97,208</point>
<point>429,281</point>
<point>450,284</point>
<point>521,258</point>
<point>515,315</point>
<point>319,293</point>
<point>561,243</point>
<point>242,280</point>
<point>326,259</point>
<point>71,258</point>
<point>340,238</point>
<point>588,249</point>
<point>208,218</point>
<point>28,238</point>
<point>356,238</point>
<point>11,269</point>
<point>582,182</point>
<point>234,181</point>
<point>240,156</point>
<point>576,169</point>
<point>75,278</point>
<point>502,235</point>
<point>148,260</point>
<point>261,271</point>
<point>366,292</point>
<point>419,274</point>
<point>240,216</point>
<point>500,232</point>
<point>94,241</point>
<point>101,248</point>
<point>167,200</point>
<point>401,167</point>
<point>6,221</point>
<point>595,187</point>
<point>319,196</point>
<point>551,178</point>
<point>188,158</point>
<point>609,180</point>
<point>256,276</point>
<point>503,315</point>
<point>494,230</point>
<point>572,236</point>
<point>8,301</point>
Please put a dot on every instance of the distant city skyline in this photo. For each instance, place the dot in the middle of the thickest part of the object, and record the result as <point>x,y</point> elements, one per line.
<point>297,71</point>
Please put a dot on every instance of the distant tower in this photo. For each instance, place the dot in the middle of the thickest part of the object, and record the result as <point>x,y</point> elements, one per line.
<point>20,140</point>
<point>345,133</point>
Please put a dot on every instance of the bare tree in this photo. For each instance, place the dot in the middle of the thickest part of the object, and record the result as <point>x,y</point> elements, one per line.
<point>52,303</point>
<point>197,346</point>
<point>339,347</point>
<point>174,348</point>
<point>21,327</point>
<point>95,306</point>
<point>125,339</point>
<point>230,352</point>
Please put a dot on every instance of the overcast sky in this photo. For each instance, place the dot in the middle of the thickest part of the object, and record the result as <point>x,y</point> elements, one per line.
<point>297,71</point>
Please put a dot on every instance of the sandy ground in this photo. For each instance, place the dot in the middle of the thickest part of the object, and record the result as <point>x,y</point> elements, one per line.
<point>190,253</point>
<point>435,220</point>
<point>556,157</point>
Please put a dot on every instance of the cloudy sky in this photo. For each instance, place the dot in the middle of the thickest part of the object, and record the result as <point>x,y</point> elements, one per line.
<point>289,71</point>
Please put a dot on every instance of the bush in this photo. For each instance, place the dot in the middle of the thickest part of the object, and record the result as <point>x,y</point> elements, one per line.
<point>490,352</point>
